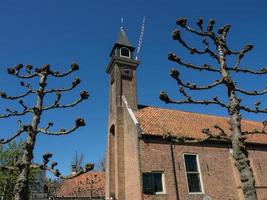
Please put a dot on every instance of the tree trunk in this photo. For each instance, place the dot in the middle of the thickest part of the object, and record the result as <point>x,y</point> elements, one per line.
<point>240,153</point>
<point>22,184</point>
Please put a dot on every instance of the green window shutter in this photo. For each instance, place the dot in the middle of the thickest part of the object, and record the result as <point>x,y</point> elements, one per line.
<point>148,185</point>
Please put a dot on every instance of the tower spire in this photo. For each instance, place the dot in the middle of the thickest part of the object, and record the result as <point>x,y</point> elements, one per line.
<point>122,41</point>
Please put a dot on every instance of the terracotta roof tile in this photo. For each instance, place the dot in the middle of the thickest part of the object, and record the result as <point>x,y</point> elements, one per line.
<point>158,121</point>
<point>81,186</point>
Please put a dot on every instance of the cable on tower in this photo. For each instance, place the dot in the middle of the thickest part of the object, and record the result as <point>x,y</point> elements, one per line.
<point>141,38</point>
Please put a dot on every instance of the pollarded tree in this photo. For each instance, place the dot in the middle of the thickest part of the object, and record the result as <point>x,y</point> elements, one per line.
<point>221,53</point>
<point>31,130</point>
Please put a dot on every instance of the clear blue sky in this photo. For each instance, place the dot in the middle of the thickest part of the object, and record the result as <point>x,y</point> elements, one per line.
<point>59,32</point>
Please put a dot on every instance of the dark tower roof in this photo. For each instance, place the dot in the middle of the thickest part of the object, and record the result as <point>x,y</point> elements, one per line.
<point>122,41</point>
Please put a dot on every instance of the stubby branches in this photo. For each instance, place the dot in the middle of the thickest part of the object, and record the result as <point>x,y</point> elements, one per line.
<point>52,167</point>
<point>32,130</point>
<point>218,40</point>
<point>215,46</point>
<point>78,123</point>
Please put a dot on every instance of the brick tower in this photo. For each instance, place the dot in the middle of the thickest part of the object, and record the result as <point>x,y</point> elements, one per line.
<point>122,72</point>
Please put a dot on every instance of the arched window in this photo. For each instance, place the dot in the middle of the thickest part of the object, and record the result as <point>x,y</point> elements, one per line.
<point>112,129</point>
<point>124,52</point>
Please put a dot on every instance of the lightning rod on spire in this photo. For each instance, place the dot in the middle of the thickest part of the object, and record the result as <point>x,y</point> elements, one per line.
<point>121,23</point>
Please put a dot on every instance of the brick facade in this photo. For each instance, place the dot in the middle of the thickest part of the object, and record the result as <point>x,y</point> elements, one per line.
<point>219,177</point>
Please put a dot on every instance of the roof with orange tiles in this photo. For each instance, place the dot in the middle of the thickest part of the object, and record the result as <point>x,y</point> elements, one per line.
<point>85,185</point>
<point>158,121</point>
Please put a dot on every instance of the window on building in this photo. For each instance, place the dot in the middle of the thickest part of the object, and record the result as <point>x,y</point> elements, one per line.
<point>192,173</point>
<point>125,52</point>
<point>153,183</point>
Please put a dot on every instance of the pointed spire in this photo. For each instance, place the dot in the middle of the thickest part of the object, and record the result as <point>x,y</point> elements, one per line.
<point>123,39</point>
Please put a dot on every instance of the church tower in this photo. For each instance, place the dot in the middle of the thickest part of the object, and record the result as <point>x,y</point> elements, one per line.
<point>122,74</point>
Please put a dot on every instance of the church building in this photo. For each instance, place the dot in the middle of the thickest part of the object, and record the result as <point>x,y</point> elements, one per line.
<point>141,164</point>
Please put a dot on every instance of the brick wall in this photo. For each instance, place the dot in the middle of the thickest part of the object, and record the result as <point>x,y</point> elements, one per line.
<point>258,158</point>
<point>131,155</point>
<point>219,176</point>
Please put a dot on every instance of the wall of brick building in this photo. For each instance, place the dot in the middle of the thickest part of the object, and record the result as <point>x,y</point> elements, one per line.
<point>131,155</point>
<point>219,177</point>
<point>258,158</point>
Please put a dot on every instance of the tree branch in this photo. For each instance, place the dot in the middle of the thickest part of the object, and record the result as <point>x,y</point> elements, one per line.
<point>164,97</point>
<point>78,123</point>
<point>205,67</point>
<point>183,23</point>
<point>18,133</point>
<point>177,36</point>
<point>15,113</point>
<point>254,131</point>
<point>74,67</point>
<point>249,71</point>
<point>15,71</point>
<point>257,131</point>
<point>5,96</point>
<point>256,110</point>
<point>46,158</point>
<point>83,95</point>
<point>220,136</point>
<point>176,75</point>
<point>253,93</point>
<point>59,90</point>
<point>206,131</point>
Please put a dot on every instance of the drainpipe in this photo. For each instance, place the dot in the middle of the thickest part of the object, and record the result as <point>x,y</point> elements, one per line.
<point>174,170</point>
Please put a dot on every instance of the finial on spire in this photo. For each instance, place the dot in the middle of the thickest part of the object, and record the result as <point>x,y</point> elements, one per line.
<point>121,23</point>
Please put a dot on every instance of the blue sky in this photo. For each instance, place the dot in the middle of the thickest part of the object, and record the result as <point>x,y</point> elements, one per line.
<point>60,32</point>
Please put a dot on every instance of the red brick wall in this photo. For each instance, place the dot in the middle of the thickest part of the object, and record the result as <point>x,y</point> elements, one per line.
<point>258,158</point>
<point>131,154</point>
<point>219,178</point>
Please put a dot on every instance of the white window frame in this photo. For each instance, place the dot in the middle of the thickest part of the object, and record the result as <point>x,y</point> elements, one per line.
<point>162,181</point>
<point>199,172</point>
<point>123,55</point>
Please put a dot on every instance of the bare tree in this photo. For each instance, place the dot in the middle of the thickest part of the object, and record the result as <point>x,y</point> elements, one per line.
<point>101,164</point>
<point>215,45</point>
<point>77,162</point>
<point>31,130</point>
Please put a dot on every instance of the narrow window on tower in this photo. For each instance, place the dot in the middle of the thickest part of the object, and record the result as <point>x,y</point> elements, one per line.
<point>192,173</point>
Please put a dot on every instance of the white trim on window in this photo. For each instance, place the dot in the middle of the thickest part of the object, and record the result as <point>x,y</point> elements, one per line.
<point>199,172</point>
<point>163,183</point>
<point>127,50</point>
